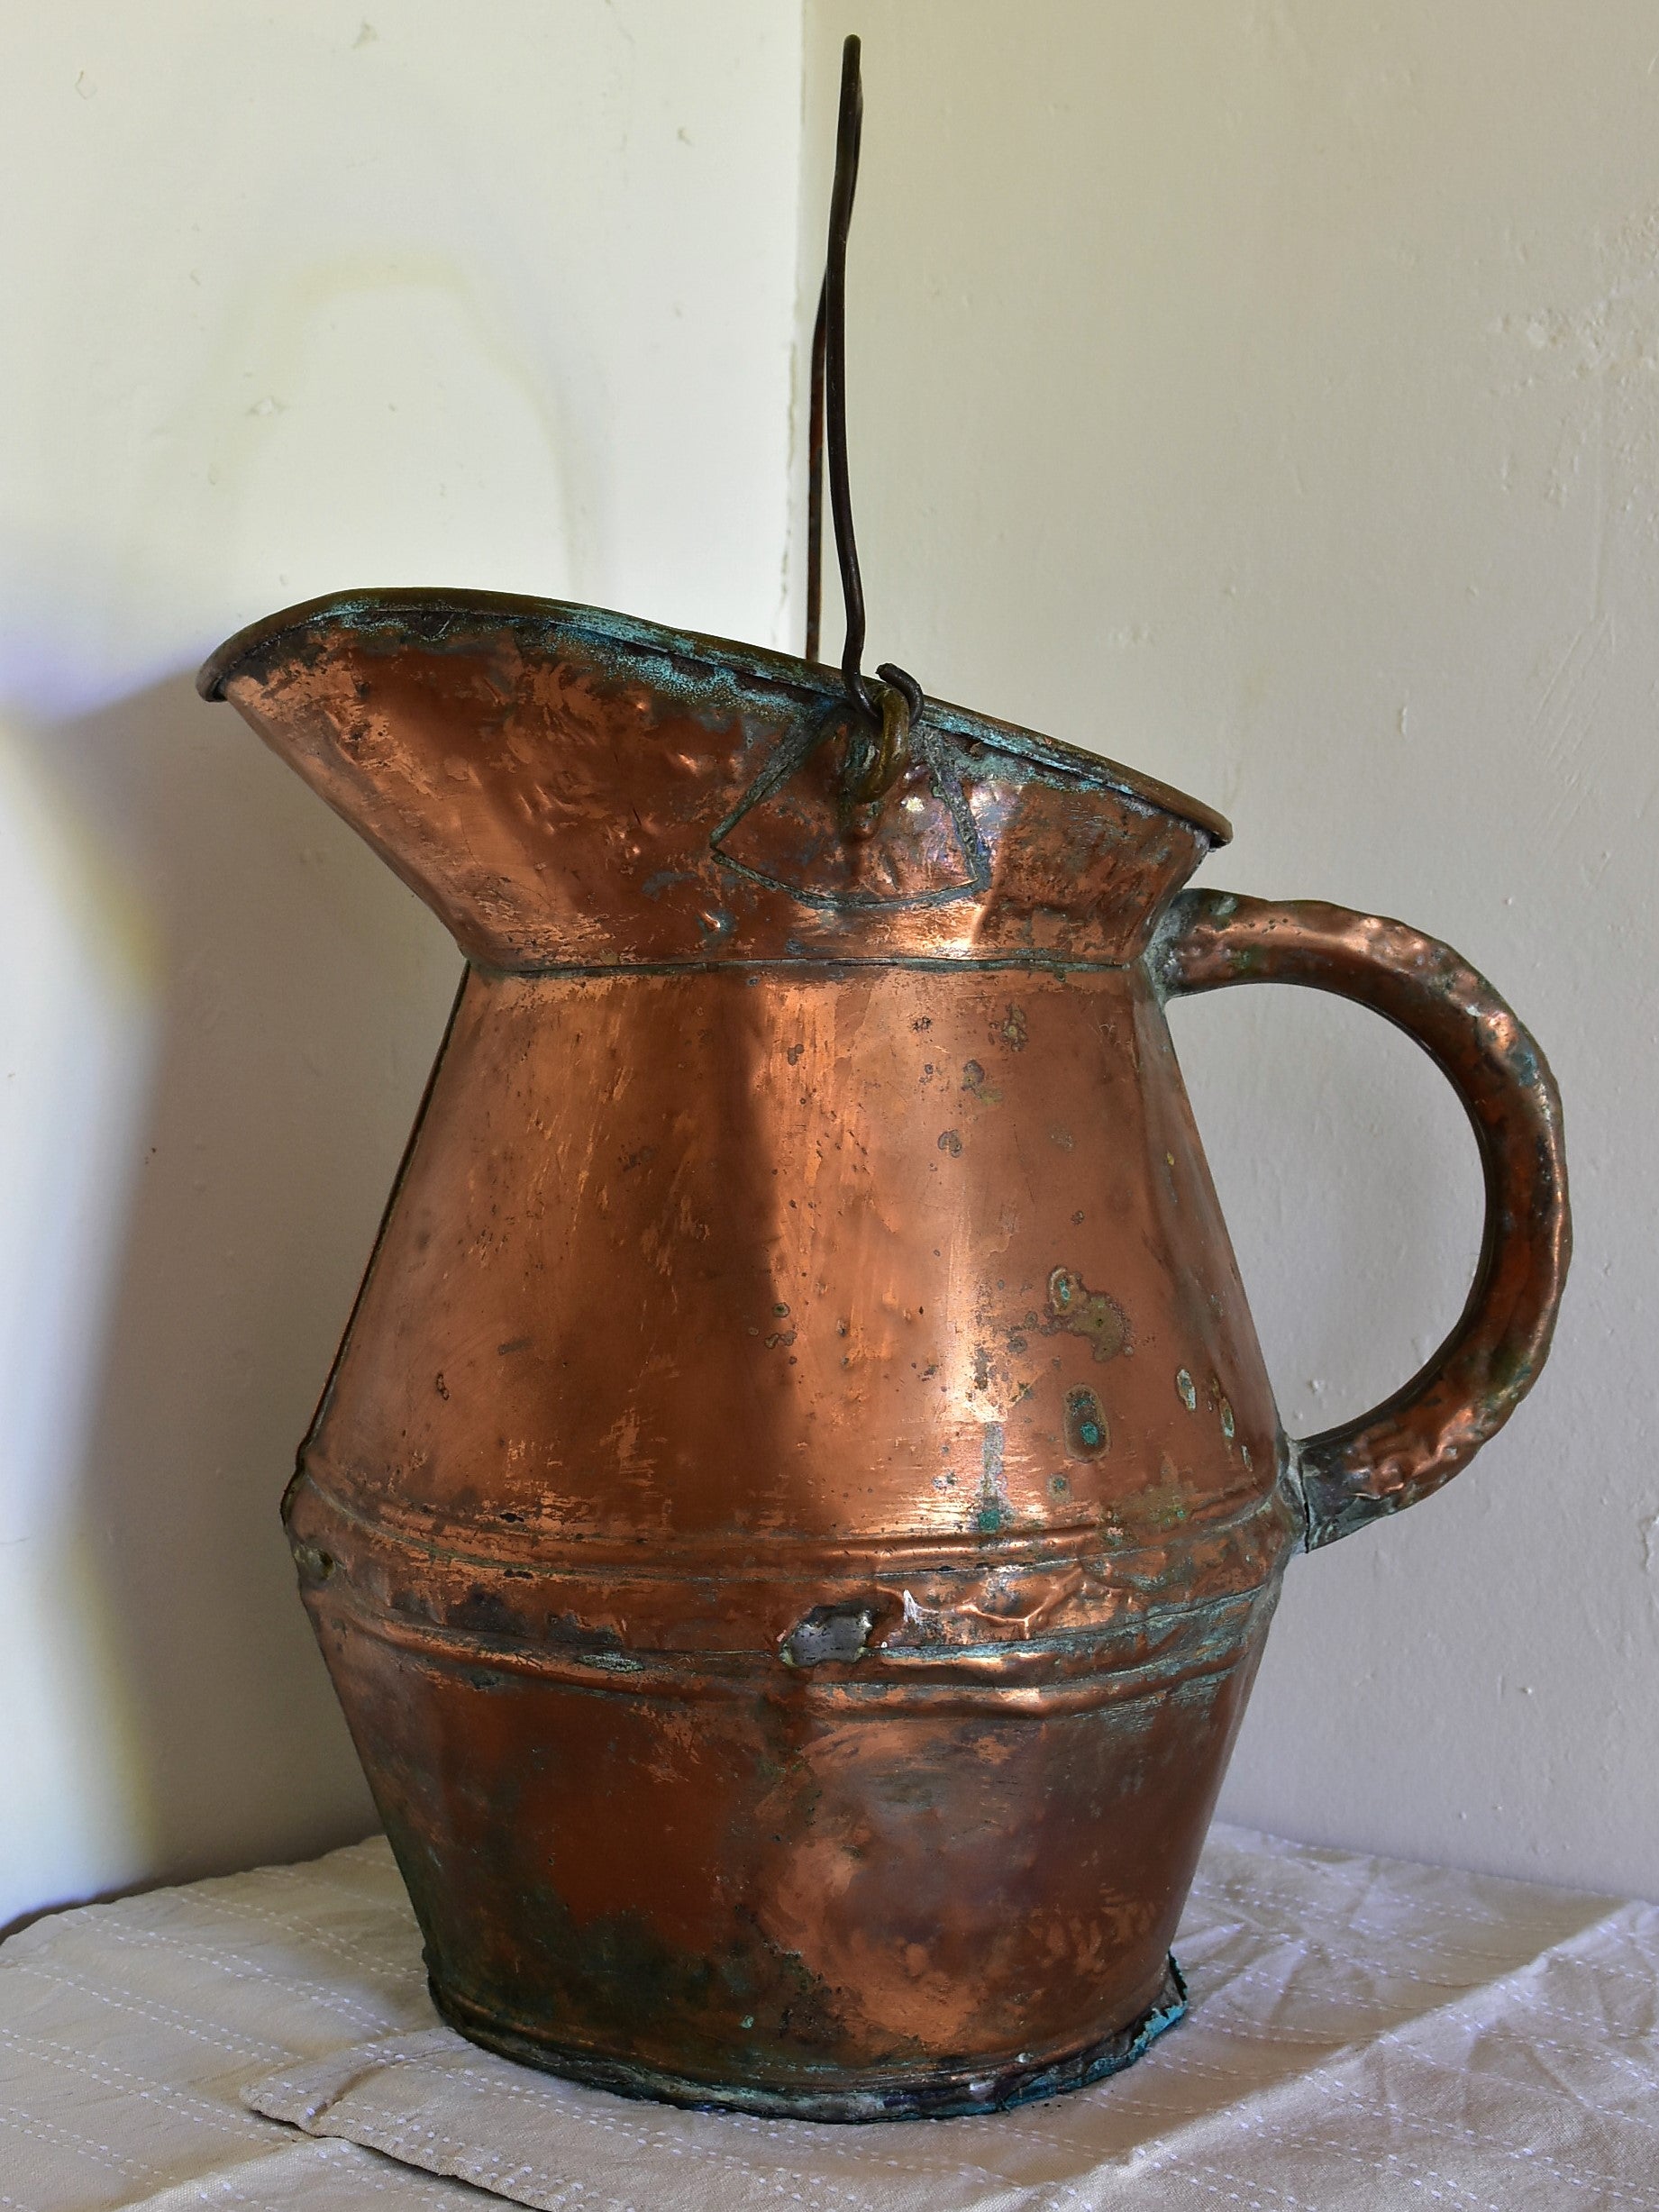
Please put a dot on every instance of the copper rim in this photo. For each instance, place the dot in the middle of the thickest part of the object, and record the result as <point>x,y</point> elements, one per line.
<point>274,637</point>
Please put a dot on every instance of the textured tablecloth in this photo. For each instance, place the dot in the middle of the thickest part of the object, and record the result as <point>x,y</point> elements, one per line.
<point>1363,2032</point>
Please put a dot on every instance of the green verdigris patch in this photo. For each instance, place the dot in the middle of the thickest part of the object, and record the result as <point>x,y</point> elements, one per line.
<point>1088,1313</point>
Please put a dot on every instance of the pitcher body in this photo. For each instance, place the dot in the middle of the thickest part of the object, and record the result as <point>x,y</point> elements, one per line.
<point>795,1513</point>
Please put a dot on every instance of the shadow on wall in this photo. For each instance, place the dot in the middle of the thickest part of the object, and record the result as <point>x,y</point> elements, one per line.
<point>299,993</point>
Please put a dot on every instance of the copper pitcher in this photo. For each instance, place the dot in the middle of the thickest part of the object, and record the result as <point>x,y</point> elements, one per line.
<point>794,1515</point>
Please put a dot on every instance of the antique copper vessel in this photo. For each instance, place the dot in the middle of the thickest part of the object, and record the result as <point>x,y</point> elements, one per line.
<point>795,1513</point>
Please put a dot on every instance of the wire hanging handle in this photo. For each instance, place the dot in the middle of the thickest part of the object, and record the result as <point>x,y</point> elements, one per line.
<point>902,702</point>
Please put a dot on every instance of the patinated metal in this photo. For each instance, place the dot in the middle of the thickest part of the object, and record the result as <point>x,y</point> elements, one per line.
<point>795,1513</point>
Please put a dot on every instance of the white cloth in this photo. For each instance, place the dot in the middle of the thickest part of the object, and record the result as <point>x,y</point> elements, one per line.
<point>1363,2033</point>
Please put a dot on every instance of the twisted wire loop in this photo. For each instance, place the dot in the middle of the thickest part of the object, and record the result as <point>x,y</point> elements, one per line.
<point>876,765</point>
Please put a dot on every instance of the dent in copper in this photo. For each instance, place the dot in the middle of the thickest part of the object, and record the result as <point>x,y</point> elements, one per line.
<point>795,1513</point>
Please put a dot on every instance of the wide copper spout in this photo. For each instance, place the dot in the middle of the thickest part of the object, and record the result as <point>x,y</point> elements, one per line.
<point>563,785</point>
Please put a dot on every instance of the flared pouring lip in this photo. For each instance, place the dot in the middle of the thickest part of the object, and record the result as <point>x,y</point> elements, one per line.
<point>437,615</point>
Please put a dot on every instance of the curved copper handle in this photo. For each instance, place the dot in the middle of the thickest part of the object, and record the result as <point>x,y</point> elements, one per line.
<point>1426,1432</point>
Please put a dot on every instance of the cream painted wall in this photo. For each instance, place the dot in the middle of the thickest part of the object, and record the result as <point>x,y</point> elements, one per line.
<point>1266,392</point>
<point>295,298</point>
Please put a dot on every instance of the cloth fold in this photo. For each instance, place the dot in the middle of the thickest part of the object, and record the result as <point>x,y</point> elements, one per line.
<point>1363,2034</point>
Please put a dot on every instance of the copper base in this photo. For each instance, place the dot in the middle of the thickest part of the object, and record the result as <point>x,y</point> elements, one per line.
<point>940,2094</point>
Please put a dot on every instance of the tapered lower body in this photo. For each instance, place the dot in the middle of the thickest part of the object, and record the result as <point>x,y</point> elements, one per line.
<point>900,1883</point>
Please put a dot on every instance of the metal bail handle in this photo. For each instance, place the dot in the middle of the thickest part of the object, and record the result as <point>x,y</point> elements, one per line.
<point>1430,1431</point>
<point>872,769</point>
<point>888,755</point>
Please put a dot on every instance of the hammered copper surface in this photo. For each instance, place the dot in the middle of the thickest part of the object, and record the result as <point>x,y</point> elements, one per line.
<point>796,1514</point>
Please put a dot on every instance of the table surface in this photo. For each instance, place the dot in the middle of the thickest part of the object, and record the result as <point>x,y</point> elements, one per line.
<point>1363,2032</point>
